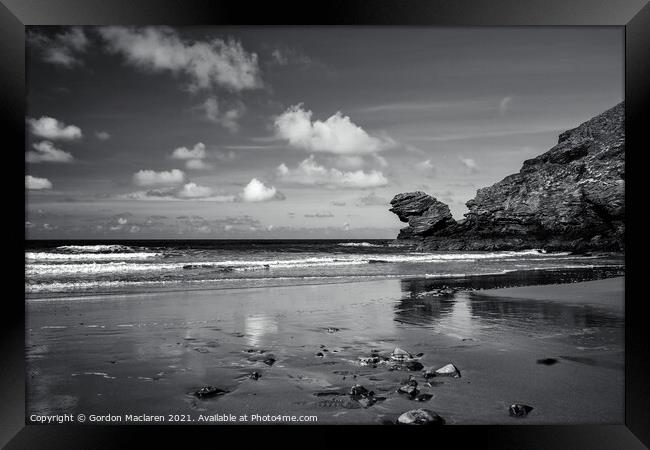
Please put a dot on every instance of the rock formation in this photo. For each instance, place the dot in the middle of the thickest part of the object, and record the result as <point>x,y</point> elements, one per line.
<point>570,198</point>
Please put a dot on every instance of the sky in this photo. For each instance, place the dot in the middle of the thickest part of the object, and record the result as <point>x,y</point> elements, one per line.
<point>289,132</point>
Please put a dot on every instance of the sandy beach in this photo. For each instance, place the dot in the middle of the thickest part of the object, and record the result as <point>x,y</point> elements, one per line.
<point>149,353</point>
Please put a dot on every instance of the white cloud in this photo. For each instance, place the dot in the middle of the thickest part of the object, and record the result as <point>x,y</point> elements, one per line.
<point>193,158</point>
<point>50,128</point>
<point>197,164</point>
<point>62,48</point>
<point>310,173</point>
<point>504,104</point>
<point>122,220</point>
<point>193,190</point>
<point>214,63</point>
<point>228,119</point>
<point>338,134</point>
<point>102,135</point>
<point>469,164</point>
<point>47,152</point>
<point>256,191</point>
<point>37,184</point>
<point>164,178</point>
<point>197,152</point>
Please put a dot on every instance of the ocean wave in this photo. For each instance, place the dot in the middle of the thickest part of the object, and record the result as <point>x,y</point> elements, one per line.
<point>358,244</point>
<point>113,248</point>
<point>51,256</point>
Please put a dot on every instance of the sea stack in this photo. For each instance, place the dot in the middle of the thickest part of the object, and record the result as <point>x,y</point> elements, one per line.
<point>570,198</point>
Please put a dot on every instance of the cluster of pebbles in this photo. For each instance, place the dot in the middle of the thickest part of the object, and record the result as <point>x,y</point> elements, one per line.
<point>359,396</point>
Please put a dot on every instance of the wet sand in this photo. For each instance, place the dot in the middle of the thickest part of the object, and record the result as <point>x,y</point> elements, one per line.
<point>605,293</point>
<point>147,353</point>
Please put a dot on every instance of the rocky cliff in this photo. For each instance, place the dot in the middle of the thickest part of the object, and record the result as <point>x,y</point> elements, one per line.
<point>569,198</point>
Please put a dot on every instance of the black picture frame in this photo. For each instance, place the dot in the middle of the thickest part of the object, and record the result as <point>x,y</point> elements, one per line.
<point>634,15</point>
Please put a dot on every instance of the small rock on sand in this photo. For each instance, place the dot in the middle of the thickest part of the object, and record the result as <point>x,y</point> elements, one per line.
<point>445,371</point>
<point>519,410</point>
<point>547,361</point>
<point>209,391</point>
<point>400,355</point>
<point>420,417</point>
<point>359,391</point>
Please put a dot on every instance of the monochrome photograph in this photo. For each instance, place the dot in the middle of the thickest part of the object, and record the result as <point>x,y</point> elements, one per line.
<point>240,225</point>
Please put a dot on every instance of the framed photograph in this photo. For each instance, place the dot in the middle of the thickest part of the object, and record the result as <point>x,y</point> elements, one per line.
<point>384,214</point>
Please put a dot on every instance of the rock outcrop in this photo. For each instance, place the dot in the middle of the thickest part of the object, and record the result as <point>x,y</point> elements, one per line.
<point>570,198</point>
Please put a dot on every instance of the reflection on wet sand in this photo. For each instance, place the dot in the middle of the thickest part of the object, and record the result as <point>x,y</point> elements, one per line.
<point>469,314</point>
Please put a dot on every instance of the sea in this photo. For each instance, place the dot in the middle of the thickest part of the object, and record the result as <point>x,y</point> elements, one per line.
<point>55,269</point>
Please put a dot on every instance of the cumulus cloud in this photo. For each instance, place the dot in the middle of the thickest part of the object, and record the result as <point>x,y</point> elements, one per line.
<point>256,191</point>
<point>337,134</point>
<point>193,190</point>
<point>197,152</point>
<point>207,64</point>
<point>63,48</point>
<point>163,178</point>
<point>37,184</point>
<point>469,164</point>
<point>227,118</point>
<point>50,128</point>
<point>193,157</point>
<point>45,151</point>
<point>102,135</point>
<point>310,173</point>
